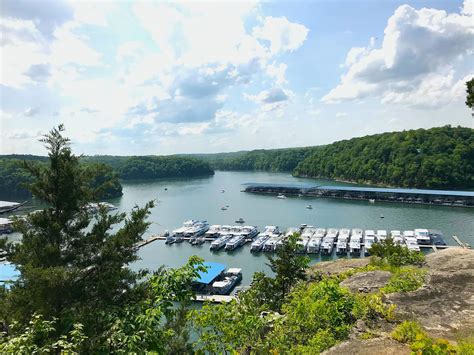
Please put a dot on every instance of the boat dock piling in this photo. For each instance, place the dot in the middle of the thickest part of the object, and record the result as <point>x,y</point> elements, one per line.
<point>461,243</point>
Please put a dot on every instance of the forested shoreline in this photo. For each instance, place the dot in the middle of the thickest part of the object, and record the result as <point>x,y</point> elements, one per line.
<point>14,178</point>
<point>436,158</point>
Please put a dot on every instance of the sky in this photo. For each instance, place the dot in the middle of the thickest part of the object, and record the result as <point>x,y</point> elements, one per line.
<point>151,77</point>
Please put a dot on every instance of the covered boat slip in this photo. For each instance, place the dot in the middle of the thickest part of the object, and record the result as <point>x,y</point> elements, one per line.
<point>216,280</point>
<point>420,196</point>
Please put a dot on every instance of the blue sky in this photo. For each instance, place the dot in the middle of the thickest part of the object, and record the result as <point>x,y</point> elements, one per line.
<point>151,77</point>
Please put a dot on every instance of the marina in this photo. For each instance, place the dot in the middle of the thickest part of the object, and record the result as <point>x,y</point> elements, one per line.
<point>201,199</point>
<point>371,194</point>
<point>332,241</point>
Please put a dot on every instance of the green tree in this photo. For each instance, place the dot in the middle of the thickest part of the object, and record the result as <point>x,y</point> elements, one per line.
<point>470,93</point>
<point>396,255</point>
<point>73,267</point>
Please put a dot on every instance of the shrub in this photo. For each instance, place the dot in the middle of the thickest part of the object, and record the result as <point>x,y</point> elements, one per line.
<point>387,252</point>
<point>407,331</point>
<point>405,280</point>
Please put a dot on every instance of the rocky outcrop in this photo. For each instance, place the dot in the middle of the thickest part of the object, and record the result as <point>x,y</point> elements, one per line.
<point>337,266</point>
<point>377,346</point>
<point>367,282</point>
<point>444,306</point>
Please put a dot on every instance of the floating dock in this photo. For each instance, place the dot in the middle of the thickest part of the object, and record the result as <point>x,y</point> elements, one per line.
<point>413,196</point>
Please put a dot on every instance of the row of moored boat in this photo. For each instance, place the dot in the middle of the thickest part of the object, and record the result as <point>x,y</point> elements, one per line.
<point>312,240</point>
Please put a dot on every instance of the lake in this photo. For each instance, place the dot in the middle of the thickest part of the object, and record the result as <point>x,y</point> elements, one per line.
<point>201,198</point>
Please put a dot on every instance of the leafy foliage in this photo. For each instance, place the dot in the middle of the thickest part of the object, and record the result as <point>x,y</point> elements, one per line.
<point>73,268</point>
<point>405,280</point>
<point>15,178</point>
<point>289,268</point>
<point>275,160</point>
<point>386,252</point>
<point>470,93</point>
<point>435,158</point>
<point>157,167</point>
<point>420,343</point>
<point>39,338</point>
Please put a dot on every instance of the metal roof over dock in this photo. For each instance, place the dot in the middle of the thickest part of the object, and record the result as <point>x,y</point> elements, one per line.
<point>213,270</point>
<point>365,189</point>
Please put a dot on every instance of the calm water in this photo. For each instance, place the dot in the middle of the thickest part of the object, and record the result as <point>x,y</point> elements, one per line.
<point>202,199</point>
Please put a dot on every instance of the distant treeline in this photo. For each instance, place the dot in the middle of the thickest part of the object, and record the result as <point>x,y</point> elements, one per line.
<point>431,158</point>
<point>274,160</point>
<point>14,178</point>
<point>154,167</point>
<point>424,158</point>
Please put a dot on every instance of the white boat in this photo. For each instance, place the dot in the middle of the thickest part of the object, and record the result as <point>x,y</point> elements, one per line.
<point>313,245</point>
<point>187,225</point>
<point>197,229</point>
<point>381,235</point>
<point>270,244</point>
<point>224,230</point>
<point>371,200</point>
<point>6,225</point>
<point>309,207</point>
<point>170,239</point>
<point>422,236</point>
<point>342,241</point>
<point>230,279</point>
<point>220,242</point>
<point>249,232</point>
<point>412,244</point>
<point>240,220</point>
<point>357,234</point>
<point>301,244</point>
<point>213,231</point>
<point>355,241</point>
<point>327,245</point>
<point>341,247</point>
<point>288,233</point>
<point>369,240</point>
<point>258,243</point>
<point>397,237</point>
<point>332,233</point>
<point>281,196</point>
<point>320,232</point>
<point>93,207</point>
<point>235,242</point>
<point>409,234</point>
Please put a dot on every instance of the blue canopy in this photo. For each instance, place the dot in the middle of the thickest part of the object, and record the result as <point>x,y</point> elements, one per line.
<point>213,270</point>
<point>8,272</point>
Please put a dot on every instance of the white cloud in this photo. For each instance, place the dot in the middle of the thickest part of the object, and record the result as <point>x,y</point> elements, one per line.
<point>282,34</point>
<point>468,7</point>
<point>419,47</point>
<point>277,72</point>
<point>270,96</point>
<point>31,111</point>
<point>69,48</point>
<point>341,114</point>
<point>91,12</point>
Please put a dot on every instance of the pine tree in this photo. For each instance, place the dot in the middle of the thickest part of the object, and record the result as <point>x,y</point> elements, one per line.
<point>74,264</point>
